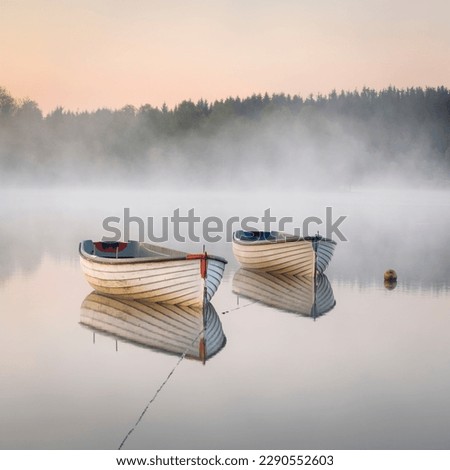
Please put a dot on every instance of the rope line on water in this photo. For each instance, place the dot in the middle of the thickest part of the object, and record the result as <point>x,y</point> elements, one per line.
<point>171,373</point>
<point>159,389</point>
<point>239,307</point>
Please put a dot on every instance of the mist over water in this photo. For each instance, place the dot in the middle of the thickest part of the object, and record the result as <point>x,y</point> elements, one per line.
<point>370,373</point>
<point>403,229</point>
<point>391,138</point>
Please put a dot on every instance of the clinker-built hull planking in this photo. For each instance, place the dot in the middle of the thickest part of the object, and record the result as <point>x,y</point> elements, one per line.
<point>303,295</point>
<point>173,277</point>
<point>174,329</point>
<point>283,253</point>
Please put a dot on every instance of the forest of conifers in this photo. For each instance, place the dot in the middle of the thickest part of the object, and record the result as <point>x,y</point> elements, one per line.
<point>345,138</point>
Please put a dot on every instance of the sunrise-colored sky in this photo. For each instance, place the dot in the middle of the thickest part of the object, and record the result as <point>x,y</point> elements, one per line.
<point>86,54</point>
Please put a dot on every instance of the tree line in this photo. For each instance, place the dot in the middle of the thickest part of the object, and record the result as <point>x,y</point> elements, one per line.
<point>345,137</point>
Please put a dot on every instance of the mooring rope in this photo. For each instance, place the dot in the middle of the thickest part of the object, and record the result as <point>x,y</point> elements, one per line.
<point>159,389</point>
<point>171,373</point>
<point>239,307</point>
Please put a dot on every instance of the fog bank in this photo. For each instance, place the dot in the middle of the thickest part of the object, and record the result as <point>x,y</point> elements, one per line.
<point>368,138</point>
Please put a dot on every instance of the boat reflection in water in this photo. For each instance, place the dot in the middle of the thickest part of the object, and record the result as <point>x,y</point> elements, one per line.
<point>172,329</point>
<point>307,296</point>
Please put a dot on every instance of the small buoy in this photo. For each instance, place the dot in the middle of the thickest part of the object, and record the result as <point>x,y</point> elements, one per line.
<point>390,284</point>
<point>390,275</point>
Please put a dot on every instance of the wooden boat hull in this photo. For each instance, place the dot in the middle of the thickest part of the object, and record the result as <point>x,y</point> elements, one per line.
<point>295,258</point>
<point>173,329</point>
<point>285,255</point>
<point>324,252</point>
<point>185,280</point>
<point>306,296</point>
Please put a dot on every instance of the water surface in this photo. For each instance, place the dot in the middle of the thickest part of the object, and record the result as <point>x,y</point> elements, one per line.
<point>372,372</point>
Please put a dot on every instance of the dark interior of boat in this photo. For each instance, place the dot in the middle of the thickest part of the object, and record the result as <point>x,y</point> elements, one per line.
<point>256,235</point>
<point>130,249</point>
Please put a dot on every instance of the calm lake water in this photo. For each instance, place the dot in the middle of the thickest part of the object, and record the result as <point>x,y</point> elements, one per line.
<point>371,373</point>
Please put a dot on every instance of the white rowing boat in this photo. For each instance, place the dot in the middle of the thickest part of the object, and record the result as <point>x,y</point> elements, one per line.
<point>173,329</point>
<point>283,253</point>
<point>307,296</point>
<point>136,270</point>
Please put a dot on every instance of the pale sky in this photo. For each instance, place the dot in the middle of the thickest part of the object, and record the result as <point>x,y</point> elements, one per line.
<point>86,54</point>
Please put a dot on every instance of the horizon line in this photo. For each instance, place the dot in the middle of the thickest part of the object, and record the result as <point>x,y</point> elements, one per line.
<point>310,97</point>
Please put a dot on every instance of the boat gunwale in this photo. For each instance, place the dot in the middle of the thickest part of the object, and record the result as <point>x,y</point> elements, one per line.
<point>149,260</point>
<point>285,238</point>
